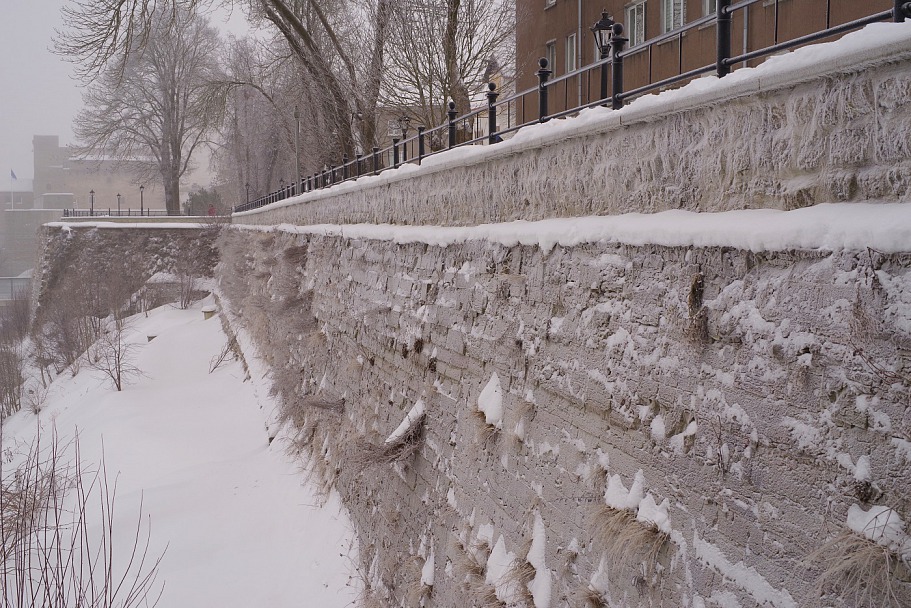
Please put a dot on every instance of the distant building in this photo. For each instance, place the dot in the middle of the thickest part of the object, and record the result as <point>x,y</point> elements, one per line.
<point>64,181</point>
<point>560,30</point>
<point>17,195</point>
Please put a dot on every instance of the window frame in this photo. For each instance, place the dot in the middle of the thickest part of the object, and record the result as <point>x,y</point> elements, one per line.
<point>635,35</point>
<point>571,61</point>
<point>668,12</point>
<point>550,53</point>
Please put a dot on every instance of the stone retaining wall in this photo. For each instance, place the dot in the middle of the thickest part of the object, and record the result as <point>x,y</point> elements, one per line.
<point>754,398</point>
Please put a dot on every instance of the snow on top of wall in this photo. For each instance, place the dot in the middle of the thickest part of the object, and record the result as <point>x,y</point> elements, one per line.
<point>875,42</point>
<point>828,227</point>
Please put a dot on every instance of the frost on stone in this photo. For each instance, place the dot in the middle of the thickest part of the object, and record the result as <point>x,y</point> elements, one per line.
<point>540,585</point>
<point>652,513</point>
<point>618,497</point>
<point>428,569</point>
<point>490,402</point>
<point>499,566</point>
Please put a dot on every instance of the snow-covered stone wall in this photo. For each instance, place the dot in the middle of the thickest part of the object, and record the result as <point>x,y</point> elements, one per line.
<point>600,425</point>
<point>826,123</point>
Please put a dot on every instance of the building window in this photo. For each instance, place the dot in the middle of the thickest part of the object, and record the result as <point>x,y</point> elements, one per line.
<point>635,23</point>
<point>710,7</point>
<point>570,53</point>
<point>550,53</point>
<point>672,14</point>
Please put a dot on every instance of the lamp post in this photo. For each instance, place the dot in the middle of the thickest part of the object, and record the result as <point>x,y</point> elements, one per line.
<point>118,203</point>
<point>247,186</point>
<point>405,122</point>
<point>141,202</point>
<point>601,30</point>
<point>91,203</point>
<point>297,154</point>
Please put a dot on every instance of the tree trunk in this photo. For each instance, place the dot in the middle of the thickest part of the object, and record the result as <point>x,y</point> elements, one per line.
<point>458,92</point>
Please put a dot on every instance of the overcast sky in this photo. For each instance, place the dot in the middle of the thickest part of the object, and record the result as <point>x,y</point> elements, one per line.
<point>37,93</point>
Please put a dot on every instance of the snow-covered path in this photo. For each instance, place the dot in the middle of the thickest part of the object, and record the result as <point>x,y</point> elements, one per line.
<point>240,525</point>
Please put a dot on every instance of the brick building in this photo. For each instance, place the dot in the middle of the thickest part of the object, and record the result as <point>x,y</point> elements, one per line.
<point>560,31</point>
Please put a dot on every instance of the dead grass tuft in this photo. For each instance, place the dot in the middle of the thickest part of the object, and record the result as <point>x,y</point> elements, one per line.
<point>627,540</point>
<point>862,572</point>
<point>593,598</point>
<point>402,449</point>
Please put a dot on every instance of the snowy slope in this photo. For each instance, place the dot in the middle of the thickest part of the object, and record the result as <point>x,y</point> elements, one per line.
<point>240,525</point>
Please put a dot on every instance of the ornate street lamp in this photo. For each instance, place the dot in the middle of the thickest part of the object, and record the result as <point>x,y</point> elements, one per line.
<point>247,186</point>
<point>91,203</point>
<point>118,203</point>
<point>141,202</point>
<point>404,123</point>
<point>602,30</point>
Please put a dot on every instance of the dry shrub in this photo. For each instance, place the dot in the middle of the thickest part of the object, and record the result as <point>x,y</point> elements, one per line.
<point>627,540</point>
<point>487,434</point>
<point>593,598</point>
<point>862,572</point>
<point>402,449</point>
<point>57,531</point>
<point>416,592</point>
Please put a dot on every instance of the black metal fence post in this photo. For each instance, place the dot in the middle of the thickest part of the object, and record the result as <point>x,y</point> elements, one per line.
<point>492,95</point>
<point>452,129</point>
<point>723,39</point>
<point>376,160</point>
<point>901,11</point>
<point>617,42</point>
<point>543,75</point>
<point>395,151</point>
<point>420,144</point>
<point>345,170</point>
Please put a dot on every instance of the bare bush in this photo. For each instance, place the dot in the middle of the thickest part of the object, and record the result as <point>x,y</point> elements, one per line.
<point>57,535</point>
<point>11,379</point>
<point>112,355</point>
<point>228,351</point>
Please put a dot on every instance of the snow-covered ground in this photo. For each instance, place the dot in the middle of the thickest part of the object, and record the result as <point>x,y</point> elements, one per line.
<point>238,521</point>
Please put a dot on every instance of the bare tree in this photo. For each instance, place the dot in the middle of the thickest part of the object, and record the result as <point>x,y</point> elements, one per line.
<point>442,50</point>
<point>156,103</point>
<point>112,355</point>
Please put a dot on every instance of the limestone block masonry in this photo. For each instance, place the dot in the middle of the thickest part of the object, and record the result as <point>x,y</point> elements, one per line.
<point>836,127</point>
<point>607,425</point>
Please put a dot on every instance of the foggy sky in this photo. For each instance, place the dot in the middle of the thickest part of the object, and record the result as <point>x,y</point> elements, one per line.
<point>37,93</point>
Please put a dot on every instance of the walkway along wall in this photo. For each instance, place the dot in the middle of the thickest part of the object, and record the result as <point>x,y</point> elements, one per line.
<point>827,123</point>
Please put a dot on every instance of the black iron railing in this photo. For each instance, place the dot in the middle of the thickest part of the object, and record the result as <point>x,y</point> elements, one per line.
<point>114,213</point>
<point>481,126</point>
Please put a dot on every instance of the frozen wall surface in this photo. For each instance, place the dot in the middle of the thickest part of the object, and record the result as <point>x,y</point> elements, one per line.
<point>826,123</point>
<point>600,425</point>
